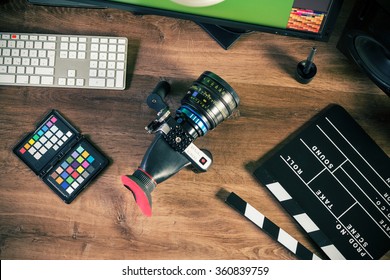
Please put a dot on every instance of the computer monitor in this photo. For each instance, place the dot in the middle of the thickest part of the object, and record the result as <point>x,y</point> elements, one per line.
<point>226,20</point>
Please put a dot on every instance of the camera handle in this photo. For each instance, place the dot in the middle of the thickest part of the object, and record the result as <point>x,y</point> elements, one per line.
<point>156,102</point>
<point>156,98</point>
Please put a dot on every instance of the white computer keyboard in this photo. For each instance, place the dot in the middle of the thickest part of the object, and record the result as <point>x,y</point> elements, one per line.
<point>53,60</point>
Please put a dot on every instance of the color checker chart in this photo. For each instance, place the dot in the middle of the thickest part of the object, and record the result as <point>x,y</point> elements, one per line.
<point>40,147</point>
<point>77,167</point>
<point>48,136</point>
<point>60,156</point>
<point>334,180</point>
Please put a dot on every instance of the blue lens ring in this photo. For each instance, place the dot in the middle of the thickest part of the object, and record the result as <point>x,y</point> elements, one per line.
<point>195,118</point>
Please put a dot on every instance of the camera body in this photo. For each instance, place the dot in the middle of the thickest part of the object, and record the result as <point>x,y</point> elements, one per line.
<point>208,102</point>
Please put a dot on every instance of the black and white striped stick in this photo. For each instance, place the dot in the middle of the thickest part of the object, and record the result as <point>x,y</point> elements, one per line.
<point>269,227</point>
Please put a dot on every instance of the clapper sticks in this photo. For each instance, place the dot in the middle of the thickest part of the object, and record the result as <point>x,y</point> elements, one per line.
<point>269,227</point>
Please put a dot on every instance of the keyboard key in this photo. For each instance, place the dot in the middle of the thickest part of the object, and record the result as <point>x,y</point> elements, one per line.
<point>111,73</point>
<point>7,78</point>
<point>20,44</point>
<point>121,56</point>
<point>51,55</point>
<point>62,81</point>
<point>95,82</point>
<point>11,44</point>
<point>120,79</point>
<point>35,80</point>
<point>41,53</point>
<point>72,73</point>
<point>112,48</point>
<point>80,82</point>
<point>70,82</point>
<point>34,61</point>
<point>102,73</point>
<point>43,62</point>
<point>22,79</point>
<point>82,47</point>
<point>47,80</point>
<point>20,69</point>
<point>72,55</point>
<point>103,48</point>
<point>111,83</point>
<point>24,53</point>
<point>92,72</point>
<point>38,45</point>
<point>81,55</point>
<point>94,47</point>
<point>94,55</point>
<point>30,70</point>
<point>49,45</point>
<point>15,52</point>
<point>33,53</point>
<point>44,71</point>
<point>73,46</point>
<point>12,69</point>
<point>17,61</point>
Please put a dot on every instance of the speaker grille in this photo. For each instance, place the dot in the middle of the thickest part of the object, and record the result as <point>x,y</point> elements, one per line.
<point>374,57</point>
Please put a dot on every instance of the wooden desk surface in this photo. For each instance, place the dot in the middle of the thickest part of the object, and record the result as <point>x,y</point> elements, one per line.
<point>189,221</point>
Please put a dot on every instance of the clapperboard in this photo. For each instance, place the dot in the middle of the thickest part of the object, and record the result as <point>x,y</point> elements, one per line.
<point>334,180</point>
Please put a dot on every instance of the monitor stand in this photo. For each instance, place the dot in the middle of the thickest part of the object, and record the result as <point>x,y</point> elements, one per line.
<point>224,36</point>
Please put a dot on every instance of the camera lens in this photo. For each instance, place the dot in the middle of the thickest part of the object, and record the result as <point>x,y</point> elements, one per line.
<point>208,102</point>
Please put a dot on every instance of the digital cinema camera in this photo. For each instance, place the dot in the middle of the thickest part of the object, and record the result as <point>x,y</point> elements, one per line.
<point>208,102</point>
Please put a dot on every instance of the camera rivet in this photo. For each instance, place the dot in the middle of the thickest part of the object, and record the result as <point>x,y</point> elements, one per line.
<point>178,139</point>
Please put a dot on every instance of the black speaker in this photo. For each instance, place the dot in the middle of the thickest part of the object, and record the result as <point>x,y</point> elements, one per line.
<point>366,40</point>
